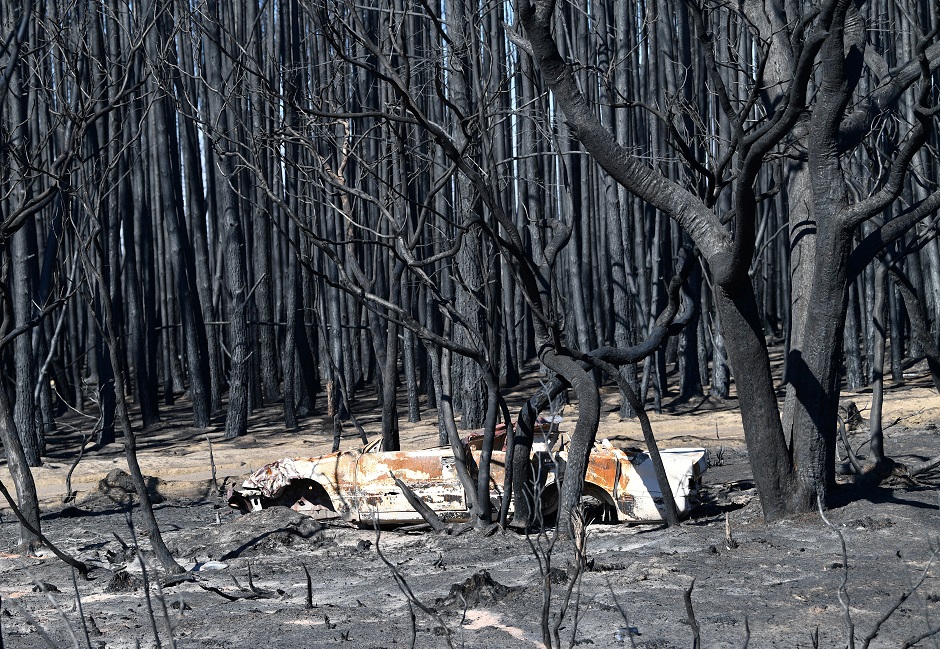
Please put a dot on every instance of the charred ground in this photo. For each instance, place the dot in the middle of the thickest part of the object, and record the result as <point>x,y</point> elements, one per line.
<point>777,583</point>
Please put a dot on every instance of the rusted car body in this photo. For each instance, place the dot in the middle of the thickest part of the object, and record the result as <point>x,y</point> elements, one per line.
<point>359,485</point>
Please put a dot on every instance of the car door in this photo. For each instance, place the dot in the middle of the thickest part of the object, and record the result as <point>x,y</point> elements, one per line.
<point>430,473</point>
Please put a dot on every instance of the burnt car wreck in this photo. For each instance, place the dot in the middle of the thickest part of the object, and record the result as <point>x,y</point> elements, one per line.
<point>359,486</point>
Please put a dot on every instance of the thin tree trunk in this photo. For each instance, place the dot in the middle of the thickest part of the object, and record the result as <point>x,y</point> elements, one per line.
<point>876,432</point>
<point>22,251</point>
<point>230,231</point>
<point>915,311</point>
<point>18,465</point>
<point>854,377</point>
<point>130,439</point>
<point>184,269</point>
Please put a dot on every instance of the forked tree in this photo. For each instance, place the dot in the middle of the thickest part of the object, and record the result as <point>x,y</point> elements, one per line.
<point>807,91</point>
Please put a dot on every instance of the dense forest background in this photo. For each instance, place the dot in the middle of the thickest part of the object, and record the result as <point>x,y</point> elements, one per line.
<point>302,202</point>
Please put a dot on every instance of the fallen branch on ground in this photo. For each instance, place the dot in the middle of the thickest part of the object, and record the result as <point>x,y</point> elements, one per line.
<point>232,598</point>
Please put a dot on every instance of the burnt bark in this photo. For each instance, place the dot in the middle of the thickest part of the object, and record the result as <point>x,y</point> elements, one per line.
<point>876,431</point>
<point>21,253</point>
<point>183,263</point>
<point>163,554</point>
<point>230,230</point>
<point>19,469</point>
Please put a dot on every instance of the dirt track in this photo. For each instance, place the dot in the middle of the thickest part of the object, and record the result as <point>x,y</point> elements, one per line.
<point>179,454</point>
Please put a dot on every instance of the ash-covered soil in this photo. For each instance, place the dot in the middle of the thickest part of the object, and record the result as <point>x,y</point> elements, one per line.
<point>774,585</point>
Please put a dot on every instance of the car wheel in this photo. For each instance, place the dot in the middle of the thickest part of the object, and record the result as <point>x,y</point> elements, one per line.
<point>549,503</point>
<point>307,497</point>
<point>595,506</point>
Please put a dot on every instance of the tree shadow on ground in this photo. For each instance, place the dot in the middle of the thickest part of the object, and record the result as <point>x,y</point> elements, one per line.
<point>881,494</point>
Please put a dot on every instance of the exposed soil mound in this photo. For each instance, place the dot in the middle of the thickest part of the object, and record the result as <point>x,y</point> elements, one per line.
<point>480,589</point>
<point>119,487</point>
<point>121,582</point>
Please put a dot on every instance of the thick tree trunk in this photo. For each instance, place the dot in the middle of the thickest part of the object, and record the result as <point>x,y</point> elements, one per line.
<point>747,354</point>
<point>236,421</point>
<point>485,515</point>
<point>816,372</point>
<point>408,358</point>
<point>261,230</point>
<point>585,430</point>
<point>720,380</point>
<point>932,280</point>
<point>690,372</point>
<point>469,289</point>
<point>897,334</point>
<point>17,462</point>
<point>104,432</point>
<point>291,329</point>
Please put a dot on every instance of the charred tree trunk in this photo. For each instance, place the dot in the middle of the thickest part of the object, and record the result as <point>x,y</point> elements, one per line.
<point>23,482</point>
<point>22,254</point>
<point>130,439</point>
<point>231,233</point>
<point>876,431</point>
<point>184,269</point>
